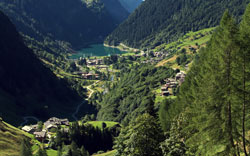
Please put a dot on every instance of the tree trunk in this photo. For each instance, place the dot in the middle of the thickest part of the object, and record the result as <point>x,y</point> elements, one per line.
<point>244,107</point>
<point>230,126</point>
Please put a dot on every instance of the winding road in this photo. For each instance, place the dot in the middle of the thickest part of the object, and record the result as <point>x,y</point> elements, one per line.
<point>80,105</point>
<point>27,118</point>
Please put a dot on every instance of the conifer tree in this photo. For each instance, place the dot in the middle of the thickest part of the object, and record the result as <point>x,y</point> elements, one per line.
<point>207,94</point>
<point>74,149</point>
<point>25,148</point>
<point>84,152</point>
<point>142,138</point>
<point>42,152</point>
<point>244,75</point>
<point>59,151</point>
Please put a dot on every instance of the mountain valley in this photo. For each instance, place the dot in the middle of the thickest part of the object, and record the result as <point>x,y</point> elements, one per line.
<point>124,78</point>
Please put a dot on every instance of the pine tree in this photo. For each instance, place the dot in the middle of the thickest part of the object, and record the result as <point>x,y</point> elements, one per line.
<point>244,72</point>
<point>59,151</point>
<point>119,142</point>
<point>42,152</point>
<point>174,145</point>
<point>74,149</point>
<point>84,152</point>
<point>142,138</point>
<point>25,148</point>
<point>209,88</point>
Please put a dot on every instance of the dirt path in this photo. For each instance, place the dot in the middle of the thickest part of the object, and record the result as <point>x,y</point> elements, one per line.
<point>26,119</point>
<point>80,105</point>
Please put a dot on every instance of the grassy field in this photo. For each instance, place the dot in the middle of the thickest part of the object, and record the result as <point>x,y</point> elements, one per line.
<point>191,41</point>
<point>51,152</point>
<point>10,140</point>
<point>99,123</point>
<point>110,153</point>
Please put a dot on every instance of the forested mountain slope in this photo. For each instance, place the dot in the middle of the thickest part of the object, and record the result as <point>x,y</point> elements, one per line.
<point>133,94</point>
<point>69,20</point>
<point>212,109</point>
<point>161,21</point>
<point>27,87</point>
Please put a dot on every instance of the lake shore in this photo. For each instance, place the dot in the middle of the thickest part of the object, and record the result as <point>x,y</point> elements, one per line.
<point>97,50</point>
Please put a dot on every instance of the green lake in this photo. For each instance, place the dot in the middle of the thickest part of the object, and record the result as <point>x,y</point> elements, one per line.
<point>96,50</point>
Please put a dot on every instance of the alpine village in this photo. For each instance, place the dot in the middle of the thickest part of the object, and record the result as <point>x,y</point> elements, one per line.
<point>124,78</point>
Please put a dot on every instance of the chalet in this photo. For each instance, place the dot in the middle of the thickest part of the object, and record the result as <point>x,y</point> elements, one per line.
<point>41,136</point>
<point>143,54</point>
<point>54,122</point>
<point>65,122</point>
<point>30,129</point>
<point>79,73</point>
<point>171,83</point>
<point>90,76</point>
<point>102,67</point>
<point>49,135</point>
<point>95,62</point>
<point>99,61</point>
<point>164,88</point>
<point>91,62</point>
<point>158,54</point>
<point>165,93</point>
<point>50,127</point>
<point>180,75</point>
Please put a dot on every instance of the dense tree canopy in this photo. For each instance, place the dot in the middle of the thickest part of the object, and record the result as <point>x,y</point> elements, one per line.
<point>141,138</point>
<point>133,94</point>
<point>161,21</point>
<point>213,96</point>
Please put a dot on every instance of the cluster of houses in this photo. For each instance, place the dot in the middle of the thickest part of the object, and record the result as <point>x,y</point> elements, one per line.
<point>45,132</point>
<point>160,54</point>
<point>92,62</point>
<point>152,61</point>
<point>90,76</point>
<point>172,83</point>
<point>157,57</point>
